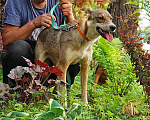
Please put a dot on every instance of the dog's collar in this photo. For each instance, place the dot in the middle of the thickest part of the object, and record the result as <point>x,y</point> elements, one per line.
<point>81,33</point>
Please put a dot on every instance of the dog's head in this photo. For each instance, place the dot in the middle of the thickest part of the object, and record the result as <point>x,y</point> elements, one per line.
<point>100,21</point>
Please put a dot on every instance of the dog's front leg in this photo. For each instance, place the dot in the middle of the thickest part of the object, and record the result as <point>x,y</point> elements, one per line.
<point>84,80</point>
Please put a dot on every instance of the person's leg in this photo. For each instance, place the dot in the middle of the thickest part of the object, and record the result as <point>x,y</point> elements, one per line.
<point>13,58</point>
<point>73,71</point>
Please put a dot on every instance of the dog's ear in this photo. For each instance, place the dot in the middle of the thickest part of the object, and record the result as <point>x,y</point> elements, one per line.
<point>87,10</point>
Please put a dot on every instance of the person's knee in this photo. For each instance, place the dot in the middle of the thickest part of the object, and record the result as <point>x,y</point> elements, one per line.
<point>13,56</point>
<point>21,48</point>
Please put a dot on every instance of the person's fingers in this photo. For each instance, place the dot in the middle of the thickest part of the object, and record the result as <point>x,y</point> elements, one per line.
<point>44,20</point>
<point>46,25</point>
<point>64,2</point>
<point>65,5</point>
<point>49,16</point>
<point>48,22</point>
<point>47,19</point>
<point>54,17</point>
<point>66,12</point>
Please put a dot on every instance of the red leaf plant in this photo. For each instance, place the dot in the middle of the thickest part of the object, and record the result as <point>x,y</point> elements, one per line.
<point>30,80</point>
<point>139,57</point>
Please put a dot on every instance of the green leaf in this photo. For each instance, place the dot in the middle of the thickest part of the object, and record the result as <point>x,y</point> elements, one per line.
<point>59,118</point>
<point>4,118</point>
<point>18,107</point>
<point>17,118</point>
<point>74,110</point>
<point>46,116</point>
<point>31,90</point>
<point>132,3</point>
<point>56,108</point>
<point>16,113</point>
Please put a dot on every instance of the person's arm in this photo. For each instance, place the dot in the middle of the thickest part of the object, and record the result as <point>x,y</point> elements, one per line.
<point>13,33</point>
<point>66,8</point>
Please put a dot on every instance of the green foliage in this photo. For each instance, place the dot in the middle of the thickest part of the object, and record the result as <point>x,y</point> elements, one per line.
<point>55,112</point>
<point>131,2</point>
<point>145,6</point>
<point>95,6</point>
<point>116,63</point>
<point>104,104</point>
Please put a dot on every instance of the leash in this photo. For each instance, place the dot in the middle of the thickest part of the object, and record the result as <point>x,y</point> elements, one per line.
<point>68,78</point>
<point>54,24</point>
<point>64,27</point>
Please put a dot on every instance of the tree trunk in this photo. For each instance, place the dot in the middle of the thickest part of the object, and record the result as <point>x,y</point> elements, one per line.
<point>118,8</point>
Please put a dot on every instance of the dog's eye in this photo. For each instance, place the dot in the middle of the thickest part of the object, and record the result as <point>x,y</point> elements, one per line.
<point>101,18</point>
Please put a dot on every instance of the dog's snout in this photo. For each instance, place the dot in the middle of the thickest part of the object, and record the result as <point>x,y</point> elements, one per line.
<point>112,27</point>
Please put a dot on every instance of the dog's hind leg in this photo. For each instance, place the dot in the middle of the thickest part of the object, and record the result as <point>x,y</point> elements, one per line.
<point>99,72</point>
<point>40,52</point>
<point>63,67</point>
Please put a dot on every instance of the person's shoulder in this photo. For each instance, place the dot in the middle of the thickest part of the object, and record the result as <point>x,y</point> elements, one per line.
<point>16,1</point>
<point>20,1</point>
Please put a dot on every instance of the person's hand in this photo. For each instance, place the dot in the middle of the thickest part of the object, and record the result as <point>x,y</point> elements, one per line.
<point>66,8</point>
<point>43,20</point>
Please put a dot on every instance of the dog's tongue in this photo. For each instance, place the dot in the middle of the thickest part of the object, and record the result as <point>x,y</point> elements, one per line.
<point>108,36</point>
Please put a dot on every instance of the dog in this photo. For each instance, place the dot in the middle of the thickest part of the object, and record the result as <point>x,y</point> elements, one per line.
<point>100,77</point>
<point>64,48</point>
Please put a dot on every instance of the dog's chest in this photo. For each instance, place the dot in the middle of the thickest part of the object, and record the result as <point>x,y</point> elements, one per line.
<point>75,56</point>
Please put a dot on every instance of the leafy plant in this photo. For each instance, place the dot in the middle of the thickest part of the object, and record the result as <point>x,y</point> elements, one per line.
<point>139,57</point>
<point>104,104</point>
<point>145,5</point>
<point>116,64</point>
<point>55,112</point>
<point>77,11</point>
<point>133,2</point>
<point>29,80</point>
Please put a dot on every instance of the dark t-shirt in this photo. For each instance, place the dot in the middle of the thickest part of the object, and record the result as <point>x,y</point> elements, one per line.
<point>20,12</point>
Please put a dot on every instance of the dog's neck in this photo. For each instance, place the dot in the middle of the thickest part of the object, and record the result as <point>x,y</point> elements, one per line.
<point>87,31</point>
<point>83,25</point>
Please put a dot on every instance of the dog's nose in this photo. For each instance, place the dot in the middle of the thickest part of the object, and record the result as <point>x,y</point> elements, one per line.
<point>112,27</point>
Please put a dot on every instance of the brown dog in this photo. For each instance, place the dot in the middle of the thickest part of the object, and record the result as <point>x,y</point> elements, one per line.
<point>75,45</point>
<point>100,77</point>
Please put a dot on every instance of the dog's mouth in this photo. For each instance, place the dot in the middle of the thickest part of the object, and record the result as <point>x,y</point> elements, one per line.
<point>105,34</point>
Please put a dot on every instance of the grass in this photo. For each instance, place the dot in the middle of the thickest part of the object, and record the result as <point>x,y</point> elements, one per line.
<point>104,104</point>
